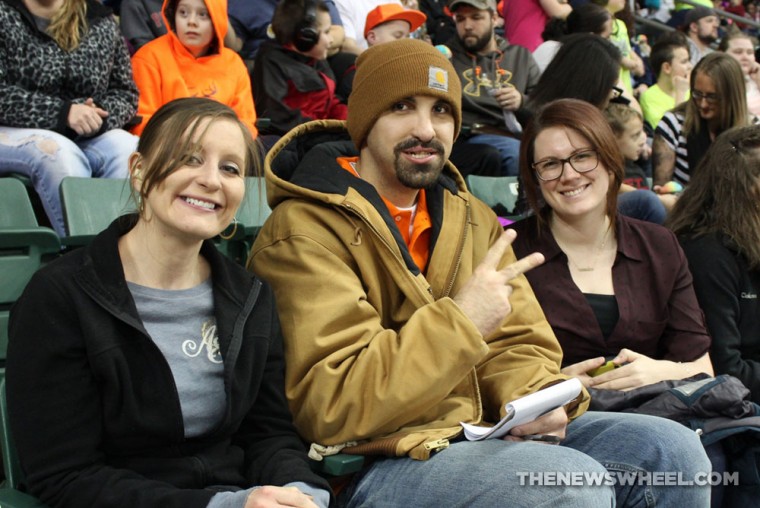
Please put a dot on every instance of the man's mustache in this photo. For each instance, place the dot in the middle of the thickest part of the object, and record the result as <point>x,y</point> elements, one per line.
<point>433,144</point>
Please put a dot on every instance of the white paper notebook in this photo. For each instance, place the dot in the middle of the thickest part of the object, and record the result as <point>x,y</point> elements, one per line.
<point>526,409</point>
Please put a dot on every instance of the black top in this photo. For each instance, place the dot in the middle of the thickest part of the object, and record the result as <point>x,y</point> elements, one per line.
<point>606,311</point>
<point>92,401</point>
<point>727,290</point>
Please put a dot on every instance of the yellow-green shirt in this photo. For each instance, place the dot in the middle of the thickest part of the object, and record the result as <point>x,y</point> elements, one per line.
<point>680,6</point>
<point>621,40</point>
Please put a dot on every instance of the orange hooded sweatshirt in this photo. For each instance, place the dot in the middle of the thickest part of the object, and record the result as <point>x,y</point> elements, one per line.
<point>165,70</point>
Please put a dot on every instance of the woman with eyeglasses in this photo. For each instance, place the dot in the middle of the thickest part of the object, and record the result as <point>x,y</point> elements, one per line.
<point>612,287</point>
<point>717,219</point>
<point>718,102</point>
<point>567,76</point>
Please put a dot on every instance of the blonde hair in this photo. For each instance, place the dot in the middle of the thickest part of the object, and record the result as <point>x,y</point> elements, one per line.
<point>618,116</point>
<point>69,24</point>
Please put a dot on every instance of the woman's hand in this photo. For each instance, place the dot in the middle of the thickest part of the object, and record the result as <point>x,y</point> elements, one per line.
<point>580,370</point>
<point>636,370</point>
<point>270,496</point>
<point>86,119</point>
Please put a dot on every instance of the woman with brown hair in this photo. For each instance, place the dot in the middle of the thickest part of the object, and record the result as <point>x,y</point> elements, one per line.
<point>155,378</point>
<point>717,219</point>
<point>718,102</point>
<point>67,92</point>
<point>612,287</point>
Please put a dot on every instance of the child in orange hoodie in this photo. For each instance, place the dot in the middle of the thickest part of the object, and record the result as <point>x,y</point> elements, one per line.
<point>191,61</point>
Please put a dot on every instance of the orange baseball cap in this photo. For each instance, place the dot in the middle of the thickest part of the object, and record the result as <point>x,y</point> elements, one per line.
<point>390,12</point>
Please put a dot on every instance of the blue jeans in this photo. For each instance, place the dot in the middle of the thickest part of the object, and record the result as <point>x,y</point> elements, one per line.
<point>498,473</point>
<point>46,157</point>
<point>643,205</point>
<point>509,149</point>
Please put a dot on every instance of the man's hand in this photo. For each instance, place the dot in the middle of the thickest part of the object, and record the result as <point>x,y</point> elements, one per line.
<point>553,423</point>
<point>485,296</point>
<point>86,119</point>
<point>508,97</point>
<point>269,496</point>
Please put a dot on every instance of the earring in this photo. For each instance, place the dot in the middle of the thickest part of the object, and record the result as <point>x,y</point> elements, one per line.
<point>231,235</point>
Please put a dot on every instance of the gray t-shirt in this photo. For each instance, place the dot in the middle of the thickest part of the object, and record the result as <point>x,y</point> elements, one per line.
<point>183,326</point>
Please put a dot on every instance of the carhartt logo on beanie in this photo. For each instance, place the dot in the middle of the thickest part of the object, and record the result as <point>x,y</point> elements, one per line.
<point>389,72</point>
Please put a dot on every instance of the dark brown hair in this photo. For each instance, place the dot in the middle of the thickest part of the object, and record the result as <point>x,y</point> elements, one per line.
<point>290,15</point>
<point>722,196</point>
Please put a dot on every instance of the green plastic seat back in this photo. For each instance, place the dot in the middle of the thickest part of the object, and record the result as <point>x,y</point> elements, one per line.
<point>91,204</point>
<point>494,190</point>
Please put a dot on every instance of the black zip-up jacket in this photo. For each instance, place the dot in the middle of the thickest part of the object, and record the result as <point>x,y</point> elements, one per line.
<point>92,401</point>
<point>727,289</point>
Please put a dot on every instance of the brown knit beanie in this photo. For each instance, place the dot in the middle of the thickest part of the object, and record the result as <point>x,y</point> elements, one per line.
<point>389,72</point>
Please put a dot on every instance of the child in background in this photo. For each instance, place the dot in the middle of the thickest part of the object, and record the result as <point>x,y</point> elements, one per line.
<point>671,64</point>
<point>192,61</point>
<point>292,82</point>
<point>631,62</point>
<point>389,22</point>
<point>628,128</point>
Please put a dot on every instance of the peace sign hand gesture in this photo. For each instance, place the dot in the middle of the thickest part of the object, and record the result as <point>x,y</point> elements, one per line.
<point>484,298</point>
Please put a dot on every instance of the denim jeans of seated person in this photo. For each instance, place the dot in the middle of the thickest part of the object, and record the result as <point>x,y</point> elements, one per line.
<point>643,205</point>
<point>46,157</point>
<point>495,473</point>
<point>509,149</point>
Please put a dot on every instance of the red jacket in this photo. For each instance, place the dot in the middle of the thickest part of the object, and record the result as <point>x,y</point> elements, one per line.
<point>291,89</point>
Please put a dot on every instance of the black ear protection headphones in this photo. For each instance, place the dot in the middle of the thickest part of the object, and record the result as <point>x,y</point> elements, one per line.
<point>307,35</point>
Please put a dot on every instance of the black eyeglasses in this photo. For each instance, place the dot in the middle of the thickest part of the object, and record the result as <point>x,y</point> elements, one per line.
<point>711,98</point>
<point>551,169</point>
<point>616,92</point>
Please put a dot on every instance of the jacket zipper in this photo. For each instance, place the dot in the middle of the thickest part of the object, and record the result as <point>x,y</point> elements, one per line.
<point>460,249</point>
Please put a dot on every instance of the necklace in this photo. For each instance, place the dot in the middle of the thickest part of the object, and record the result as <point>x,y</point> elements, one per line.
<point>598,252</point>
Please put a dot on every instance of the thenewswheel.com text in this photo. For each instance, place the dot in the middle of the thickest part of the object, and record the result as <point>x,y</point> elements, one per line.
<point>626,478</point>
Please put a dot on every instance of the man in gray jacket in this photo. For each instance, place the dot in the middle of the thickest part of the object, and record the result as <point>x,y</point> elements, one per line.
<point>496,79</point>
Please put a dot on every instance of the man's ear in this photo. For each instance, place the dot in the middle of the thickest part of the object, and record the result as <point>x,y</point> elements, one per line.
<point>667,68</point>
<point>371,38</point>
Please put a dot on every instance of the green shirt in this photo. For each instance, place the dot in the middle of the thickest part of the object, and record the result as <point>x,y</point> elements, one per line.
<point>655,103</point>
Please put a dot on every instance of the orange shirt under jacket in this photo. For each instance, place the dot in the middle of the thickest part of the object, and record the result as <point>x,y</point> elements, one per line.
<point>416,237</point>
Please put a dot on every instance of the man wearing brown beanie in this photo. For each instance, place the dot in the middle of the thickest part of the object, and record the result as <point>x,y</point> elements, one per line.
<point>405,313</point>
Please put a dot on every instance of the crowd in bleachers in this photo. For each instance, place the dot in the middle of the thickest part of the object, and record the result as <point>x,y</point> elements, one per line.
<point>650,106</point>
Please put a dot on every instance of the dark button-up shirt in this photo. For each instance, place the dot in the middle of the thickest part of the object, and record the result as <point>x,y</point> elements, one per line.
<point>659,313</point>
